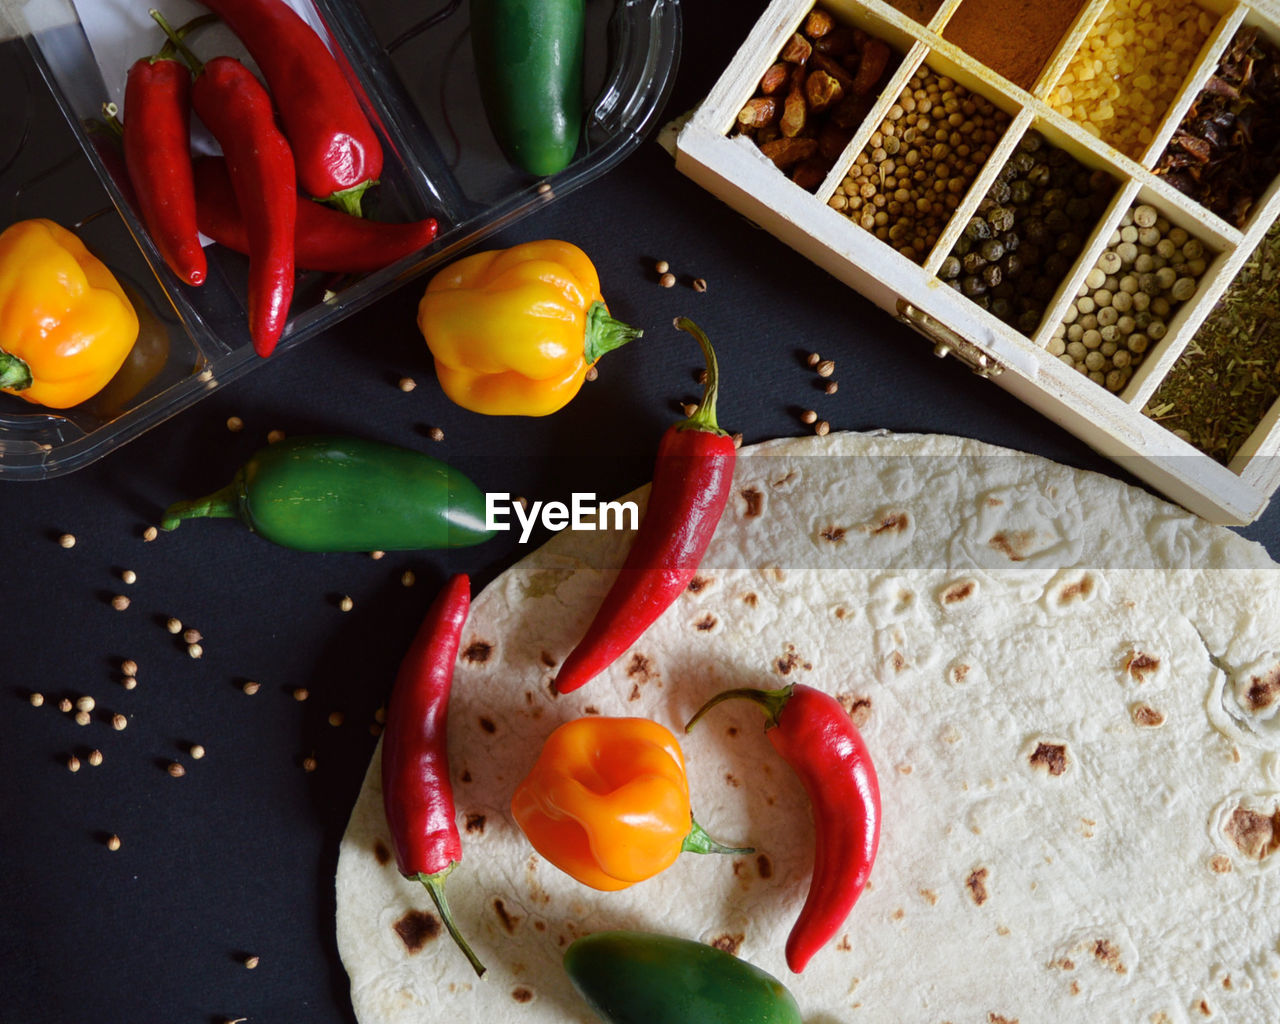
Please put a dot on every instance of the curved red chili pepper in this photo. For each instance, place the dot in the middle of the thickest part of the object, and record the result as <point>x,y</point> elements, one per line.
<point>417,792</point>
<point>157,153</point>
<point>815,736</point>
<point>691,480</point>
<point>337,151</point>
<point>324,238</point>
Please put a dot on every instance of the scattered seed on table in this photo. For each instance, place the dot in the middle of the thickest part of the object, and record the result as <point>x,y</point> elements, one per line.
<point>85,703</point>
<point>129,682</point>
<point>129,576</point>
<point>129,667</point>
<point>65,704</point>
<point>821,428</point>
<point>195,650</point>
<point>37,699</point>
<point>661,267</point>
<point>118,722</point>
<point>308,764</point>
<point>375,729</point>
<point>150,533</point>
<point>345,603</point>
<point>249,687</point>
<point>808,416</point>
<point>83,718</point>
<point>175,769</point>
<point>174,626</point>
<point>73,763</point>
<point>235,424</point>
<point>737,440</point>
<point>436,434</point>
<point>699,284</point>
<point>67,540</point>
<point>119,602</point>
<point>825,368</point>
<point>275,435</point>
<point>197,751</point>
<point>667,280</point>
<point>689,408</point>
<point>377,555</point>
<point>113,842</point>
<point>591,374</point>
<point>251,962</point>
<point>407,384</point>
<point>301,693</point>
<point>336,718</point>
<point>380,715</point>
<point>831,387</point>
<point>407,578</point>
<point>814,359</point>
<point>95,757</point>
<point>192,636</point>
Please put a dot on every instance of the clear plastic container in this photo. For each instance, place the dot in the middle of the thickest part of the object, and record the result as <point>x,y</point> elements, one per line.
<point>415,70</point>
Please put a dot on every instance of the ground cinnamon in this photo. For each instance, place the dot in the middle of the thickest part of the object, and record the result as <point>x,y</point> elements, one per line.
<point>1014,38</point>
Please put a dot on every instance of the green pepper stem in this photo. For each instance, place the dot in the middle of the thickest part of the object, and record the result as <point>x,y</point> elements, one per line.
<point>705,417</point>
<point>772,701</point>
<point>223,503</point>
<point>604,333</point>
<point>14,373</point>
<point>435,886</point>
<point>175,37</point>
<point>348,200</point>
<point>698,841</point>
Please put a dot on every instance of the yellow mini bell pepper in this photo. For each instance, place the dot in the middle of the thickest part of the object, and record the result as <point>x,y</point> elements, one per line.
<point>607,802</point>
<point>66,325</point>
<point>514,331</point>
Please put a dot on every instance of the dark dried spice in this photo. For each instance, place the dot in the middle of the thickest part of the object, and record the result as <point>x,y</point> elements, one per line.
<point>1226,152</point>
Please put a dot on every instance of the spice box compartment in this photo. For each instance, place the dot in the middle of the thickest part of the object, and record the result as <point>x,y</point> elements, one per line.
<point>1146,265</point>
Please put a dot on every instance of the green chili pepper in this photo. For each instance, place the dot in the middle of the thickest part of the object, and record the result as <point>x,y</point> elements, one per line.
<point>528,56</point>
<point>640,978</point>
<point>346,494</point>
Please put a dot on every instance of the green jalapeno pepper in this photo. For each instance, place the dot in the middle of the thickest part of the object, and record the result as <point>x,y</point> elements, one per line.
<point>640,978</point>
<point>323,493</point>
<point>528,56</point>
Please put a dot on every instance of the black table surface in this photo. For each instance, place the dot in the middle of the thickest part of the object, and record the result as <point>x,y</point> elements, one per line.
<point>237,857</point>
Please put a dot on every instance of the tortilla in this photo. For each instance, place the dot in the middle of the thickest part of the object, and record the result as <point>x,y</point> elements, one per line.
<point>1071,690</point>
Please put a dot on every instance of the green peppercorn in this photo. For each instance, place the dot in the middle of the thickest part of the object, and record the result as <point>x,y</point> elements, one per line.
<point>974,285</point>
<point>950,268</point>
<point>992,249</point>
<point>992,275</point>
<point>977,230</point>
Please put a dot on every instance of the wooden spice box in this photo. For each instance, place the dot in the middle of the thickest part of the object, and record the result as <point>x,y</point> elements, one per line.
<point>1111,421</point>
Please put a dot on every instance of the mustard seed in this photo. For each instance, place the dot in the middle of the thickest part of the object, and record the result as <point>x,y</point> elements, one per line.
<point>113,842</point>
<point>37,699</point>
<point>119,602</point>
<point>67,540</point>
<point>176,770</point>
<point>407,384</point>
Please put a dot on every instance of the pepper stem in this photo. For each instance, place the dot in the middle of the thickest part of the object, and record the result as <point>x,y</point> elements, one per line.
<point>14,373</point>
<point>772,701</point>
<point>223,503</point>
<point>435,886</point>
<point>698,841</point>
<point>705,417</point>
<point>188,58</point>
<point>348,199</point>
<point>604,333</point>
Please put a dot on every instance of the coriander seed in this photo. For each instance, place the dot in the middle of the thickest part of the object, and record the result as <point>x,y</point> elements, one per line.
<point>251,962</point>
<point>192,636</point>
<point>129,667</point>
<point>129,576</point>
<point>65,704</point>
<point>408,578</point>
<point>377,556</point>
<point>737,440</point>
<point>235,424</point>
<point>661,267</point>
<point>195,651</point>
<point>119,722</point>
<point>592,373</point>
<point>37,699</point>
<point>699,284</point>
<point>274,436</point>
<point>113,842</point>
<point>345,603</point>
<point>667,280</point>
<point>174,626</point>
<point>85,703</point>
<point>336,718</point>
<point>196,751</point>
<point>301,693</point>
<point>436,434</point>
<point>95,757</point>
<point>83,718</point>
<point>808,416</point>
<point>150,533</point>
<point>249,687</point>
<point>830,387</point>
<point>689,408</point>
<point>821,428</point>
<point>67,540</point>
<point>308,764</point>
<point>825,368</point>
<point>175,769</point>
<point>119,602</point>
<point>73,763</point>
<point>814,359</point>
<point>407,384</point>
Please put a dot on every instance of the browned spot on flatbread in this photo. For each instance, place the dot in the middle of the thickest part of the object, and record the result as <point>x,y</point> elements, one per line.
<point>782,481</point>
<point>477,652</point>
<point>959,591</point>
<point>640,666</point>
<point>750,600</point>
<point>474,823</point>
<point>548,659</point>
<point>898,661</point>
<point>521,994</point>
<point>591,709</point>
<point>488,724</point>
<point>1146,716</point>
<point>929,897</point>
<point>858,707</point>
<point>1220,864</point>
<point>1107,954</point>
<point>1263,691</point>
<point>464,775</point>
<point>976,883</point>
<point>764,866</point>
<point>1049,757</point>
<point>1015,546</point>
<point>416,928</point>
<point>834,534</point>
<point>699,583</point>
<point>706,623</point>
<point>635,693</point>
<point>508,919</point>
<point>1063,963</point>
<point>732,780</point>
<point>1255,835</point>
<point>729,942</point>
<point>790,661</point>
<point>380,852</point>
<point>891,522</point>
<point>844,945</point>
<point>1205,1009</point>
<point>1138,665</point>
<point>995,1018</point>
<point>1078,590</point>
<point>754,500</point>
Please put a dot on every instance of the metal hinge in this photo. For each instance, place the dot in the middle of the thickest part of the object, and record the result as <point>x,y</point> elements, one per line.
<point>948,342</point>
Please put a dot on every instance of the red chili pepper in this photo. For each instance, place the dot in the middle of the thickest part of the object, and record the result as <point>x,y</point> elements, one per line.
<point>237,110</point>
<point>815,736</point>
<point>337,151</point>
<point>157,153</point>
<point>417,792</point>
<point>324,238</point>
<point>691,480</point>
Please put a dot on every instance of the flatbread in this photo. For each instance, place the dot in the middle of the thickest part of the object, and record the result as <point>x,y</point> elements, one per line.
<point>1071,690</point>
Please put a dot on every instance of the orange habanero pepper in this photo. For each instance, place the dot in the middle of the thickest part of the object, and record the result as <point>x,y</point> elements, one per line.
<point>607,802</point>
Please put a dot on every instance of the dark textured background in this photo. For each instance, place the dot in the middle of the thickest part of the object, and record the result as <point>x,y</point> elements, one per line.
<point>238,856</point>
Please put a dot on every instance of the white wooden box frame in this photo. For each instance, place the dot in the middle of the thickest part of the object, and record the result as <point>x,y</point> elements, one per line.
<point>734,170</point>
